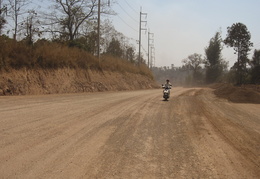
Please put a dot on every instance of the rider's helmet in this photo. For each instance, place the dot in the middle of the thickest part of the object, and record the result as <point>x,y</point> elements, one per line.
<point>167,80</point>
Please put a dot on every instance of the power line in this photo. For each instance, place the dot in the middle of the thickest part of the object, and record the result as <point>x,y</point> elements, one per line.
<point>131,7</point>
<point>142,26</point>
<point>127,13</point>
<point>257,45</point>
<point>144,50</point>
<point>127,24</point>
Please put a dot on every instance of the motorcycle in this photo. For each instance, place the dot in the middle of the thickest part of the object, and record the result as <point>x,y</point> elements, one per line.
<point>166,92</point>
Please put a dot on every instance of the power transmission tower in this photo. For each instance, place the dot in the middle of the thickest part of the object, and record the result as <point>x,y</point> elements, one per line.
<point>150,38</point>
<point>152,56</point>
<point>140,33</point>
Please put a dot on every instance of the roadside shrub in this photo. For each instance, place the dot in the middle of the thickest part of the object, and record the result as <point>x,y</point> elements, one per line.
<point>5,49</point>
<point>21,56</point>
<point>144,70</point>
<point>55,55</point>
<point>14,54</point>
<point>117,64</point>
<point>47,54</point>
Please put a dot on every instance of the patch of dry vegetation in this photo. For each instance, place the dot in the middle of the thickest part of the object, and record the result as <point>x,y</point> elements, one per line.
<point>51,55</point>
<point>121,65</point>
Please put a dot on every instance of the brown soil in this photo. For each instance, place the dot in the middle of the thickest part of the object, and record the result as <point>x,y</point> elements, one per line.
<point>129,135</point>
<point>243,94</point>
<point>24,82</point>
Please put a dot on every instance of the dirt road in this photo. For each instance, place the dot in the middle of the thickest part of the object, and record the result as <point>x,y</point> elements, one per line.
<point>129,135</point>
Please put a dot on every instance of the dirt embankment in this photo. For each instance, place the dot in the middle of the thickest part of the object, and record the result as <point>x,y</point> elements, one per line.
<point>23,82</point>
<point>243,94</point>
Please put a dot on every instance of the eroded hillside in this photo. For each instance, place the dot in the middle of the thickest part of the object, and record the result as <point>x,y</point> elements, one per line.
<point>66,80</point>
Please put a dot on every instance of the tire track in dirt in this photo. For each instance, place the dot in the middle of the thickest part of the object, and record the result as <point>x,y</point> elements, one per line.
<point>59,132</point>
<point>56,136</point>
<point>222,138</point>
<point>128,135</point>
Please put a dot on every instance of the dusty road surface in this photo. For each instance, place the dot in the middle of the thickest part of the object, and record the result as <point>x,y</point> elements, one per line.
<point>129,135</point>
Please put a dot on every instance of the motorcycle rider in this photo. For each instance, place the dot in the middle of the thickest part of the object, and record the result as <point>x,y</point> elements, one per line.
<point>167,85</point>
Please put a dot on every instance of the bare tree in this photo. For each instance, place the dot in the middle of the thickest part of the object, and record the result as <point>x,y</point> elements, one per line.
<point>3,13</point>
<point>70,16</point>
<point>17,8</point>
<point>31,27</point>
<point>194,63</point>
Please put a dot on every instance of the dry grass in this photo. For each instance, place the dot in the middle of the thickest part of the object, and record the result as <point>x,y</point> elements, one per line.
<point>53,55</point>
<point>120,65</point>
<point>45,54</point>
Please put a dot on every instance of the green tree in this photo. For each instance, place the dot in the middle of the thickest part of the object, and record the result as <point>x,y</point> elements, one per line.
<point>194,63</point>
<point>114,48</point>
<point>255,67</point>
<point>239,37</point>
<point>130,54</point>
<point>92,42</point>
<point>87,42</point>
<point>214,63</point>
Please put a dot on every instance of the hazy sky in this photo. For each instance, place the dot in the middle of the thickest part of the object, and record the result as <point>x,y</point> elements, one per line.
<point>181,27</point>
<point>184,27</point>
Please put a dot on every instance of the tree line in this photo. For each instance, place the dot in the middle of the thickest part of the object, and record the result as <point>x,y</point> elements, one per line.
<point>73,23</point>
<point>69,22</point>
<point>212,68</point>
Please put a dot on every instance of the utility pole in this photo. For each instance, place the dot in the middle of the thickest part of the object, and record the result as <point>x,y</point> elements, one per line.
<point>98,30</point>
<point>98,33</point>
<point>149,39</point>
<point>140,33</point>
